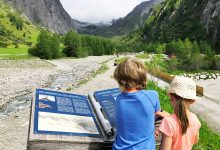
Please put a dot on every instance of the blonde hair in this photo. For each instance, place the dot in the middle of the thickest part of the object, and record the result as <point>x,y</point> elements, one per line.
<point>131,73</point>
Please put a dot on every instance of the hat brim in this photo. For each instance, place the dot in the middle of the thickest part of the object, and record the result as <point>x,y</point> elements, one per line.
<point>170,91</point>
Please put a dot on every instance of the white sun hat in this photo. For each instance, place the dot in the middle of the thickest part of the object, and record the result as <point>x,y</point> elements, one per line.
<point>184,87</point>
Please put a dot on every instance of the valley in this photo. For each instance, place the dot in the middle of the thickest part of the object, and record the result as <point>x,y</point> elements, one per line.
<point>41,46</point>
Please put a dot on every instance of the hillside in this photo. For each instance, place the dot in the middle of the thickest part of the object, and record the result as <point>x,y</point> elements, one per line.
<point>172,19</point>
<point>45,13</point>
<point>15,28</point>
<point>123,26</point>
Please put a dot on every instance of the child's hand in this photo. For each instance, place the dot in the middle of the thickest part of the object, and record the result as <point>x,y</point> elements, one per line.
<point>156,134</point>
<point>162,114</point>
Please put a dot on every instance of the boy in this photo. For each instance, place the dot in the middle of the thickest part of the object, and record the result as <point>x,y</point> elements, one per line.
<point>135,108</point>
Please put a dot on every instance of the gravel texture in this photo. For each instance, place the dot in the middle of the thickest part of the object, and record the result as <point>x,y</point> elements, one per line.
<point>18,77</point>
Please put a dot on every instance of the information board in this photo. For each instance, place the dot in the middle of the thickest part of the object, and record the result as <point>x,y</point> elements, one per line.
<point>107,99</point>
<point>64,114</point>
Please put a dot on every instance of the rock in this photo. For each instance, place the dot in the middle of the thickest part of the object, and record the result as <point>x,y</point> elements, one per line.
<point>46,13</point>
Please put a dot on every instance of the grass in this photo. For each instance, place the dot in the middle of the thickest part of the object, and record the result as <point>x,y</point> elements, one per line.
<point>119,60</point>
<point>142,56</point>
<point>29,32</point>
<point>13,51</point>
<point>208,139</point>
<point>16,57</point>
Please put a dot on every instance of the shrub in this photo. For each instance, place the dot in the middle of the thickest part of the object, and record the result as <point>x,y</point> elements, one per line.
<point>217,62</point>
<point>3,44</point>
<point>17,21</point>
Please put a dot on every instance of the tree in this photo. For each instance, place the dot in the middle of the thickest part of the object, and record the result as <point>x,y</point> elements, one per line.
<point>55,46</point>
<point>43,46</point>
<point>47,46</point>
<point>72,43</point>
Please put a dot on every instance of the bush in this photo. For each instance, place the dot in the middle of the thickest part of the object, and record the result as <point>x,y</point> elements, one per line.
<point>17,21</point>
<point>16,45</point>
<point>217,62</point>
<point>3,44</point>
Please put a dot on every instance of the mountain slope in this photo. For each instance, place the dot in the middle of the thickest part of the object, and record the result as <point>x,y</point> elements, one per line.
<point>124,25</point>
<point>196,19</point>
<point>14,28</point>
<point>46,13</point>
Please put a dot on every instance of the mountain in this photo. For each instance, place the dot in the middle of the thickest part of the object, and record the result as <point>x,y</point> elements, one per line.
<point>45,13</point>
<point>123,26</point>
<point>173,19</point>
<point>15,29</point>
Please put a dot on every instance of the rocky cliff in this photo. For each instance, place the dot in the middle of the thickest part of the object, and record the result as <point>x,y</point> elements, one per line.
<point>211,21</point>
<point>47,13</point>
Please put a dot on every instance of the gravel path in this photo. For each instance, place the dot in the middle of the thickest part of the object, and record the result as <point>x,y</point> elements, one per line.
<point>211,88</point>
<point>100,82</point>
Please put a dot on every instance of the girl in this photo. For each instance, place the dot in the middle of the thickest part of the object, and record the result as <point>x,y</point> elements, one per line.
<point>135,108</point>
<point>181,129</point>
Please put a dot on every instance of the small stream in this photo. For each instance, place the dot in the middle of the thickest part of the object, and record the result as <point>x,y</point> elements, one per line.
<point>24,101</point>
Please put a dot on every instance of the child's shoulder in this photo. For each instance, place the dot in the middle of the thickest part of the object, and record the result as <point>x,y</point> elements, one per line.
<point>194,117</point>
<point>151,93</point>
<point>170,118</point>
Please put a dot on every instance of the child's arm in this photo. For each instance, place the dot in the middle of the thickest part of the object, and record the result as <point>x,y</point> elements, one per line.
<point>197,138</point>
<point>162,114</point>
<point>166,142</point>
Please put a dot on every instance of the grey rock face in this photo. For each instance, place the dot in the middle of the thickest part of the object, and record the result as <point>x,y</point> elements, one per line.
<point>211,19</point>
<point>47,13</point>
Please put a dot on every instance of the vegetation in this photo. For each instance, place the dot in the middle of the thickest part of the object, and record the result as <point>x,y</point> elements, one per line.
<point>181,53</point>
<point>85,45</point>
<point>178,19</point>
<point>213,140</point>
<point>119,60</point>
<point>14,28</point>
<point>17,34</point>
<point>143,56</point>
<point>47,47</point>
<point>16,21</point>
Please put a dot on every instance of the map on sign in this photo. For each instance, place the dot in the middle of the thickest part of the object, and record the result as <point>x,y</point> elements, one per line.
<point>64,114</point>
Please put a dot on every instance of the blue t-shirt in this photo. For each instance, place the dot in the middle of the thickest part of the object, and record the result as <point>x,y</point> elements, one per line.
<point>135,114</point>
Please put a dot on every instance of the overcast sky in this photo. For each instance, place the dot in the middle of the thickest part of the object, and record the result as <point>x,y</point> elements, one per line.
<point>99,10</point>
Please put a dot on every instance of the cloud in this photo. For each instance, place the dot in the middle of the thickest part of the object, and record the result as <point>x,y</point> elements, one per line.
<point>99,10</point>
